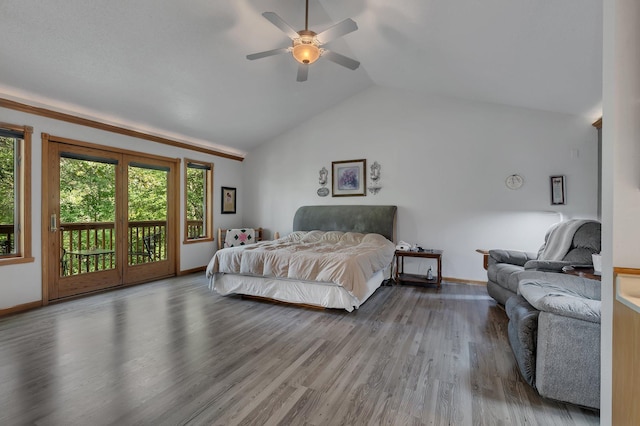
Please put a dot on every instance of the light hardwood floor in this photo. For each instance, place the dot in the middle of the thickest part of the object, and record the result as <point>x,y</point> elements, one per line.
<point>172,352</point>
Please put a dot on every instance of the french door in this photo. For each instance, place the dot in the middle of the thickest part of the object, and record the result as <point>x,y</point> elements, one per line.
<point>111,218</point>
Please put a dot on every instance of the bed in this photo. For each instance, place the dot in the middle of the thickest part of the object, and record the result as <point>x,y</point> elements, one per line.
<point>336,257</point>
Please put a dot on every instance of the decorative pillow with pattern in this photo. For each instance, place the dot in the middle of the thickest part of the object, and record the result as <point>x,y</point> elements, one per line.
<point>239,237</point>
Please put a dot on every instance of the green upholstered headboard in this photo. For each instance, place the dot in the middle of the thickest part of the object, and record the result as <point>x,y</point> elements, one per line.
<point>358,218</point>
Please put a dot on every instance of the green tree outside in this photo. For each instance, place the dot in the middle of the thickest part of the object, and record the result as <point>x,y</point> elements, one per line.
<point>147,194</point>
<point>7,180</point>
<point>196,186</point>
<point>87,191</point>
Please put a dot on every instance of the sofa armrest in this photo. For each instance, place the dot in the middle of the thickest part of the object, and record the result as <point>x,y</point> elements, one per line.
<point>513,257</point>
<point>579,286</point>
<point>546,265</point>
<point>548,297</point>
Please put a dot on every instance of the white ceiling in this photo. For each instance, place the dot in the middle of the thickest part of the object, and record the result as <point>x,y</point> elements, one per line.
<point>178,68</point>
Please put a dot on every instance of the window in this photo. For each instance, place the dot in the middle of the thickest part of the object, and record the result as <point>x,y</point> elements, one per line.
<point>15,193</point>
<point>198,185</point>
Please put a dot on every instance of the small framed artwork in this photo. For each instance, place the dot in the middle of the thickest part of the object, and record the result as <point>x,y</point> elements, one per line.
<point>558,195</point>
<point>349,178</point>
<point>228,200</point>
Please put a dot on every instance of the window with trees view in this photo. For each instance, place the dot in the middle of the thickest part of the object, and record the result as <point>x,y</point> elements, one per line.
<point>198,178</point>
<point>15,192</point>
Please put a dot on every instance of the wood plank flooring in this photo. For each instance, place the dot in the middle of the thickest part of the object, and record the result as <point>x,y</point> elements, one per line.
<point>174,353</point>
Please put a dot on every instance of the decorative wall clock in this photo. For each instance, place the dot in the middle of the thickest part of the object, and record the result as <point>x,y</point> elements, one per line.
<point>514,181</point>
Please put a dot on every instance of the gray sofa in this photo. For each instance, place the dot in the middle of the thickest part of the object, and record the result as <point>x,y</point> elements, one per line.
<point>554,331</point>
<point>567,243</point>
<point>554,318</point>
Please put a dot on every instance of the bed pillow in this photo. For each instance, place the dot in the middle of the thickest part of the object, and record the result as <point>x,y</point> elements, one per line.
<point>239,237</point>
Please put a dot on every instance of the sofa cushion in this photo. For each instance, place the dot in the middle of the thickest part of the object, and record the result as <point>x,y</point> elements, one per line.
<point>588,237</point>
<point>523,335</point>
<point>568,360</point>
<point>505,274</point>
<point>548,297</point>
<point>586,241</point>
<point>513,257</point>
<point>499,293</point>
<point>546,265</point>
<point>584,287</point>
<point>579,256</point>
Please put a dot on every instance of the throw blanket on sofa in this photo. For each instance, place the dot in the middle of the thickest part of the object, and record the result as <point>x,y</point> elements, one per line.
<point>559,238</point>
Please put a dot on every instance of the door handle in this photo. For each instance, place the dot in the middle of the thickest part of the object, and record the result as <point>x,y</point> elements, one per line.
<point>53,223</point>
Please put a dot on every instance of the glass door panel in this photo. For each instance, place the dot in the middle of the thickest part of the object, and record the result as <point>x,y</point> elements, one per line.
<point>149,218</point>
<point>84,231</point>
<point>147,213</point>
<point>87,214</point>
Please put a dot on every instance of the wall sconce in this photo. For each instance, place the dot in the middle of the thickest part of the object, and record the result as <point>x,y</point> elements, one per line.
<point>374,178</point>
<point>323,191</point>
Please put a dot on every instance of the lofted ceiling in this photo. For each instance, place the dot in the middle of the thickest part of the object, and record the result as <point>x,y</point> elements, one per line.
<point>178,68</point>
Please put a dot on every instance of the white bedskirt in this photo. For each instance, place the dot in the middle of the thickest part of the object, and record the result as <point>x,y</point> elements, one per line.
<point>327,295</point>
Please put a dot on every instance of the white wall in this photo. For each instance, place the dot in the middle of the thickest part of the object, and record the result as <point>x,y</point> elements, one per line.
<point>621,166</point>
<point>22,283</point>
<point>444,163</point>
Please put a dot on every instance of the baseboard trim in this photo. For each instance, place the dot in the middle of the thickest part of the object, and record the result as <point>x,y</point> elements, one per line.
<point>192,271</point>
<point>20,308</point>
<point>463,281</point>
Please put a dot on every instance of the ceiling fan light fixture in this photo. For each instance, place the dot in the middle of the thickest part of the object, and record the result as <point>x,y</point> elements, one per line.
<point>306,48</point>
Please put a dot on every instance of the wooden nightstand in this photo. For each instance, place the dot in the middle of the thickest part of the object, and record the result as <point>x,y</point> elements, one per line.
<point>400,276</point>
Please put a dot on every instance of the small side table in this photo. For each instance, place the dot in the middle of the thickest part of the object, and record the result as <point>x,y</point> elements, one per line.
<point>582,272</point>
<point>485,257</point>
<point>400,276</point>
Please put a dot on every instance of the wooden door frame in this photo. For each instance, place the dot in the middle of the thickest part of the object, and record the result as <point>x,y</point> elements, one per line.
<point>61,287</point>
<point>46,186</point>
<point>625,348</point>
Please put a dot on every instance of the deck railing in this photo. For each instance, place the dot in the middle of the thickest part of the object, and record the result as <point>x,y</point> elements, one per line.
<point>7,242</point>
<point>195,229</point>
<point>90,247</point>
<point>146,241</point>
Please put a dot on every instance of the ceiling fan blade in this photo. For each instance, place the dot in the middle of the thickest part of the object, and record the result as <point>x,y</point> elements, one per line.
<point>338,30</point>
<point>303,71</point>
<point>339,59</point>
<point>267,53</point>
<point>280,23</point>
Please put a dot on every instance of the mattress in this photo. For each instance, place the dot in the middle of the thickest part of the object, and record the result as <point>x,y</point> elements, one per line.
<point>326,295</point>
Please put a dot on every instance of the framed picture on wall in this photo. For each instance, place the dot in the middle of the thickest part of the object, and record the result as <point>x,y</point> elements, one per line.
<point>228,202</point>
<point>349,178</point>
<point>557,190</point>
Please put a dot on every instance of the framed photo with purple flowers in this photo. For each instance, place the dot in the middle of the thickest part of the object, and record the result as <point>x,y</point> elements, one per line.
<point>349,178</point>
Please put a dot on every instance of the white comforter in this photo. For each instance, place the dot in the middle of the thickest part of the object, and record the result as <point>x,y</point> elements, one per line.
<point>347,259</point>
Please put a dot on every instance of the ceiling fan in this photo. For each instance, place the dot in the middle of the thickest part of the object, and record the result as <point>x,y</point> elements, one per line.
<point>306,44</point>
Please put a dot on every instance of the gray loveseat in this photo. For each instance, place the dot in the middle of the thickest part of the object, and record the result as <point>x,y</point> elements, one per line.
<point>554,331</point>
<point>567,243</point>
